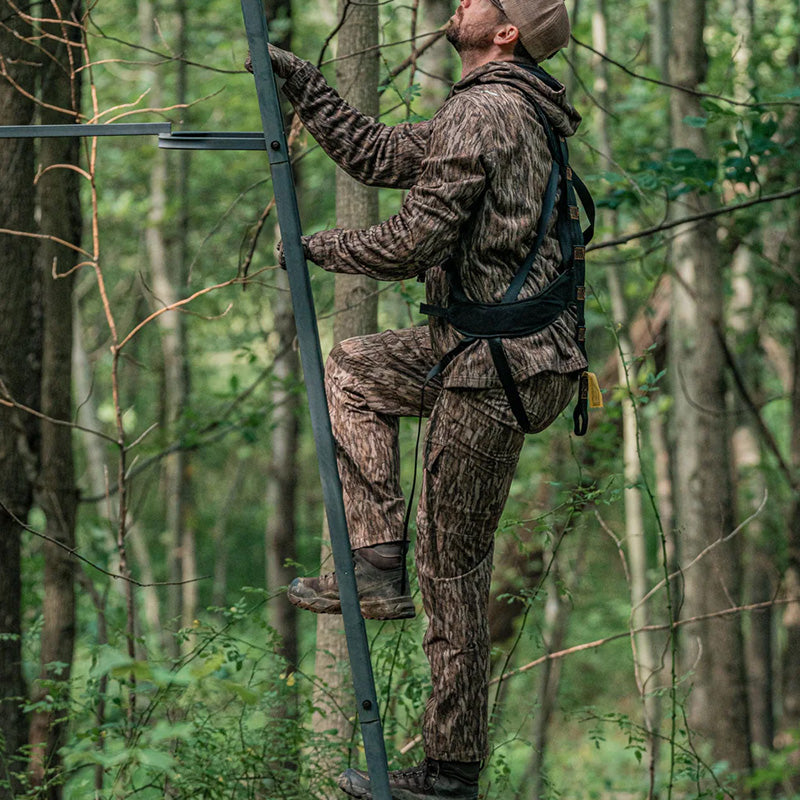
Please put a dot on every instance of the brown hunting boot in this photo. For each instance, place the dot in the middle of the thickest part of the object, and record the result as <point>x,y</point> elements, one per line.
<point>380,578</point>
<point>431,780</point>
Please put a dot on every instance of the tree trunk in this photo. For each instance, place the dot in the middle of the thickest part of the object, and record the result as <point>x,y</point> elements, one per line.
<point>790,721</point>
<point>166,283</point>
<point>759,553</point>
<point>705,502</point>
<point>356,314</point>
<point>659,36</point>
<point>787,364</point>
<point>19,375</point>
<point>60,214</point>
<point>281,490</point>
<point>646,659</point>
<point>177,277</point>
<point>554,631</point>
<point>557,611</point>
<point>437,65</point>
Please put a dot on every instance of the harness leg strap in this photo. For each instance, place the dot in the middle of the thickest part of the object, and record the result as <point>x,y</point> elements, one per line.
<point>507,380</point>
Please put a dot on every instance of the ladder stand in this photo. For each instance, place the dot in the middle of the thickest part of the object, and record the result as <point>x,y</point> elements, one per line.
<point>273,140</point>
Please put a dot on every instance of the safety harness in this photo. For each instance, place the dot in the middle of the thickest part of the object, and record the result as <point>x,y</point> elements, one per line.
<point>511,318</point>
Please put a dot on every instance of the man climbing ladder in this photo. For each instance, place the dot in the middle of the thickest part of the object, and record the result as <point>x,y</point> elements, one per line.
<point>478,176</point>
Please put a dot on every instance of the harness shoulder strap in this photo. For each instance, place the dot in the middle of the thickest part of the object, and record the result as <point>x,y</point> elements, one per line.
<point>548,206</point>
<point>572,241</point>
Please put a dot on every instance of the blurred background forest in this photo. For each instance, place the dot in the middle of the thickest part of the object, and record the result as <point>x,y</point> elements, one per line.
<point>158,480</point>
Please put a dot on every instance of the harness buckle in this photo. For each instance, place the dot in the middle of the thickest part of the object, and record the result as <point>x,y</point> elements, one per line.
<point>580,293</point>
<point>579,253</point>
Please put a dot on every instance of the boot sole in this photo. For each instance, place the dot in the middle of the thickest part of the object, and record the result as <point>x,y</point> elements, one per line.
<point>397,608</point>
<point>356,784</point>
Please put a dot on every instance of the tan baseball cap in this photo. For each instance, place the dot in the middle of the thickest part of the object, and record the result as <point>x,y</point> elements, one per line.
<point>543,25</point>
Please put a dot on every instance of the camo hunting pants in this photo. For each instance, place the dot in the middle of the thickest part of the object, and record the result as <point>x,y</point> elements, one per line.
<point>471,449</point>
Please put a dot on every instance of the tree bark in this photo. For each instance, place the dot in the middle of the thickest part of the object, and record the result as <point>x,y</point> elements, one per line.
<point>356,306</point>
<point>758,576</point>
<point>60,214</point>
<point>704,496</point>
<point>166,284</point>
<point>646,660</point>
<point>281,490</point>
<point>281,494</point>
<point>790,718</point>
<point>19,369</point>
<point>437,65</point>
<point>787,248</point>
<point>659,36</point>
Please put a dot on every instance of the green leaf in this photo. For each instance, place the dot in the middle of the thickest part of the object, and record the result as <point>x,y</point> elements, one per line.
<point>696,122</point>
<point>247,695</point>
<point>155,758</point>
<point>208,665</point>
<point>109,661</point>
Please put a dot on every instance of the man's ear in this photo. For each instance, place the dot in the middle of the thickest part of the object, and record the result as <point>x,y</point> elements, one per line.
<point>506,35</point>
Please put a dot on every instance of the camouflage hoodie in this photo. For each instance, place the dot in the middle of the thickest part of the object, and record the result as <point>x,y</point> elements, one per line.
<point>476,173</point>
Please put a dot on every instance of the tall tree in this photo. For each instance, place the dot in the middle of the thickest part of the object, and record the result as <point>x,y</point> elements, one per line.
<point>437,65</point>
<point>759,583</point>
<point>167,284</point>
<point>791,617</point>
<point>356,307</point>
<point>787,249</point>
<point>281,490</point>
<point>646,657</point>
<point>18,368</point>
<point>58,197</point>
<point>705,503</point>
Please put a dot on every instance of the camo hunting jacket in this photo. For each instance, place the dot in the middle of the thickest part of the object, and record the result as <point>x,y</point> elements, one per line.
<point>476,173</point>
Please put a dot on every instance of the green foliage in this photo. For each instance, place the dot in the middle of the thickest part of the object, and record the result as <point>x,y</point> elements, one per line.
<point>777,771</point>
<point>226,720</point>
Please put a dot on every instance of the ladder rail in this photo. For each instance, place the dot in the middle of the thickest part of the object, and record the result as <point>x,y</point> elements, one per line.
<point>311,359</point>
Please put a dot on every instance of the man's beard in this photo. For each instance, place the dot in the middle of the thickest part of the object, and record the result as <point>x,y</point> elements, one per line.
<point>464,38</point>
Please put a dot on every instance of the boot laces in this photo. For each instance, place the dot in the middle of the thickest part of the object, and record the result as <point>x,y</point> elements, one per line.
<point>420,777</point>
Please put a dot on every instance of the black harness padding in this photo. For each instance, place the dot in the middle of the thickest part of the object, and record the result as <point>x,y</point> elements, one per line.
<point>511,318</point>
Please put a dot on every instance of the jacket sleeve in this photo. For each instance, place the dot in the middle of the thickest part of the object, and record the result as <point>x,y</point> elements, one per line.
<point>369,151</point>
<point>427,227</point>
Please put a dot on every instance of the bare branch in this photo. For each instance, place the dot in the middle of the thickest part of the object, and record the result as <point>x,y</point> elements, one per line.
<point>75,554</point>
<point>706,550</point>
<point>679,88</point>
<point>8,401</point>
<point>666,626</point>
<point>674,223</point>
<point>788,473</point>
<point>172,307</point>
<point>55,239</point>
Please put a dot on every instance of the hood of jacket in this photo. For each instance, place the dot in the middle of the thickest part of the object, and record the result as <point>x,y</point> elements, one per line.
<point>534,83</point>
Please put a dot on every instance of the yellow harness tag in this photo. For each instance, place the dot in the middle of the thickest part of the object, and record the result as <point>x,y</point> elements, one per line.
<point>595,395</point>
